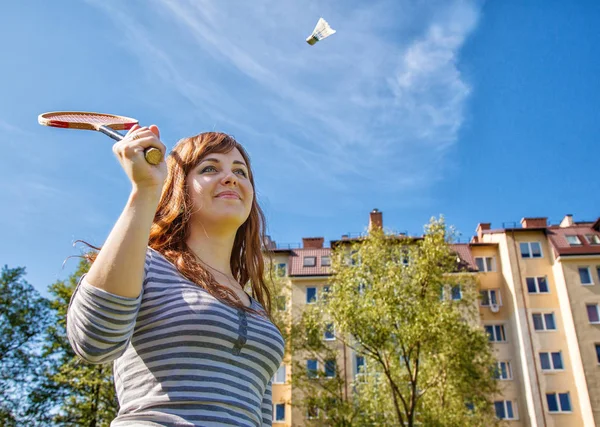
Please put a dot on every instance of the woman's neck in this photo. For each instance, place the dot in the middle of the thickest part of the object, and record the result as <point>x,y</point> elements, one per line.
<point>213,249</point>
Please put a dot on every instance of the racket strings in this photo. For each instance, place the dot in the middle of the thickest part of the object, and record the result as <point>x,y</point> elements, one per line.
<point>96,119</point>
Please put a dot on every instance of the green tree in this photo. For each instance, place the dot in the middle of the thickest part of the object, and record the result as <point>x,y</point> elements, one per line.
<point>71,392</point>
<point>23,316</point>
<point>324,395</point>
<point>406,305</point>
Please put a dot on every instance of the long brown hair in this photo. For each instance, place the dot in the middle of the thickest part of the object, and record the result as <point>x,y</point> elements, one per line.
<point>170,227</point>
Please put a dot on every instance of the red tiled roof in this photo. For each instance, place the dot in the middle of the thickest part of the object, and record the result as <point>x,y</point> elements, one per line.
<point>297,262</point>
<point>464,253</point>
<point>557,236</point>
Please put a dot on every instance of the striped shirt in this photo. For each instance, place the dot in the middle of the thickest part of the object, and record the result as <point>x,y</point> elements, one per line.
<point>180,356</point>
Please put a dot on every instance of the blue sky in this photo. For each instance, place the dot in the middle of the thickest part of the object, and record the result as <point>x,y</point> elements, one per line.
<point>481,111</point>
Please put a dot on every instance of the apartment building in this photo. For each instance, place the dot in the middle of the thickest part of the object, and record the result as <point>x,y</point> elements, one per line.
<point>540,305</point>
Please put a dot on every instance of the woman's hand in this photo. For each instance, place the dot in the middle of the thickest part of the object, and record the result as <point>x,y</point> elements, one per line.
<point>130,152</point>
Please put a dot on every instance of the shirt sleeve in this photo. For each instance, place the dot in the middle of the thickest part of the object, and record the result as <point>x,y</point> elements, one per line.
<point>267,406</point>
<point>100,324</point>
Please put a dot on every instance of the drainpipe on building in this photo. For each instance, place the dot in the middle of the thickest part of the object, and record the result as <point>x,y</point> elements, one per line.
<point>537,378</point>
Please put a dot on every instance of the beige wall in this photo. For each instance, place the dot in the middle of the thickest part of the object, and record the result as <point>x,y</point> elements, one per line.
<point>584,335</point>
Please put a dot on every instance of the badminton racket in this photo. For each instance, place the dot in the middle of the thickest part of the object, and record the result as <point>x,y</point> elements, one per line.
<point>108,124</point>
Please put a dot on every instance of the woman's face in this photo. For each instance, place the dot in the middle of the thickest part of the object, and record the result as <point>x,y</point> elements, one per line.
<point>220,190</point>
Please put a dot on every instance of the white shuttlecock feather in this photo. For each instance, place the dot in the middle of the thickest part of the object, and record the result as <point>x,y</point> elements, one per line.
<point>321,31</point>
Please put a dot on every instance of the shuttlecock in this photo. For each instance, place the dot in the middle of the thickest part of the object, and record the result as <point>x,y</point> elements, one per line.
<point>321,31</point>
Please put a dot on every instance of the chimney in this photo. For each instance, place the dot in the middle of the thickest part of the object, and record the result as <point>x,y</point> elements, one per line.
<point>481,227</point>
<point>567,221</point>
<point>312,242</point>
<point>534,222</point>
<point>375,219</point>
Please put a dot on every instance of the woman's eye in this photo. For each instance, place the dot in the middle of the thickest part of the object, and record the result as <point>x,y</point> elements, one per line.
<point>208,169</point>
<point>241,172</point>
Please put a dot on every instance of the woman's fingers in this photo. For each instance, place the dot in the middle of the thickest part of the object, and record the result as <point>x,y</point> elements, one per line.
<point>154,129</point>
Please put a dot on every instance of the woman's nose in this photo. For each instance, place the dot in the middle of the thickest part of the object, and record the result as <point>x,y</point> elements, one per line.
<point>230,179</point>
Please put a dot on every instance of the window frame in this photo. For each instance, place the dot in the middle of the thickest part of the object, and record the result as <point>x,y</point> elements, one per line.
<point>281,269</point>
<point>595,239</point>
<point>485,265</point>
<point>356,365</point>
<point>494,326</point>
<point>326,365</point>
<point>597,313</point>
<point>575,237</point>
<point>315,372</point>
<point>558,403</point>
<point>508,370</point>
<point>597,348</point>
<point>332,332</point>
<point>505,405</point>
<point>276,419</point>
<point>552,368</point>
<point>544,322</point>
<point>327,257</point>
<point>536,280</point>
<point>589,273</point>
<point>307,257</point>
<point>498,297</point>
<point>316,295</point>
<point>274,379</point>
<point>530,250</point>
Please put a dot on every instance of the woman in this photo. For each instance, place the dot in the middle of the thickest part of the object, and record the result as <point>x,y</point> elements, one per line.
<point>164,298</point>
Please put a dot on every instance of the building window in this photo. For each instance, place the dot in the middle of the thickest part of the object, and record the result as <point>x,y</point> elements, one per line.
<point>405,260</point>
<point>361,288</point>
<point>598,353</point>
<point>504,410</point>
<point>359,362</point>
<point>544,321</point>
<point>592,312</point>
<point>558,402</point>
<point>325,261</point>
<point>496,333</point>
<point>281,302</point>
<point>325,292</point>
<point>311,295</point>
<point>593,239</point>
<point>585,276</point>
<point>329,332</point>
<point>490,297</point>
<point>573,240</point>
<point>503,371</point>
<point>312,411</point>
<point>310,261</point>
<point>353,258</point>
<point>551,361</point>
<point>279,377</point>
<point>330,368</point>
<point>312,367</point>
<point>537,285</point>
<point>281,269</point>
<point>531,250</point>
<point>279,412</point>
<point>485,264</point>
<point>456,293</point>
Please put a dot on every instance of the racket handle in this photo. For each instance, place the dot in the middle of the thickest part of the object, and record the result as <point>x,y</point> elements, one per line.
<point>152,155</point>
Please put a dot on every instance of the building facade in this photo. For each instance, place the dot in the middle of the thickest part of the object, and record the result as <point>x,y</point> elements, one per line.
<point>540,306</point>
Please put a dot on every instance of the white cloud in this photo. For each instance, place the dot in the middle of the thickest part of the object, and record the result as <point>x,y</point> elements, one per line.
<point>374,108</point>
